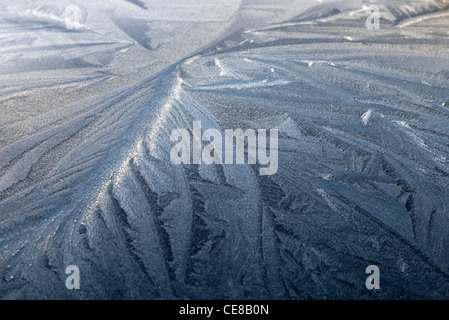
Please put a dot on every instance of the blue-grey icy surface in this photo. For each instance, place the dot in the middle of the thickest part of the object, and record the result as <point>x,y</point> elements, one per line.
<point>90,91</point>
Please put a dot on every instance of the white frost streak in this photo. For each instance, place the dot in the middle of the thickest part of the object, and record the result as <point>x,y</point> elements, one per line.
<point>165,111</point>
<point>366,116</point>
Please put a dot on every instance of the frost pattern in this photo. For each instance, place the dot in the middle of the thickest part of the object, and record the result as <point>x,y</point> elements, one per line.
<point>89,96</point>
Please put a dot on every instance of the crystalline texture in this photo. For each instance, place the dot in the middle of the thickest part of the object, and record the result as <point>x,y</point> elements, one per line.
<point>90,92</point>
